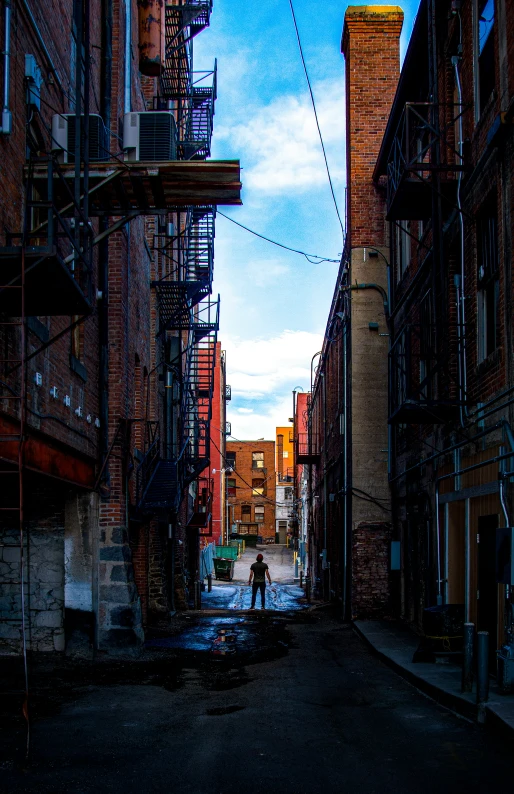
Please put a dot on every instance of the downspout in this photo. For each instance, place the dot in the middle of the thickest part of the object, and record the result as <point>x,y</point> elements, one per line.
<point>345,471</point>
<point>127,104</point>
<point>6,127</point>
<point>103,278</point>
<point>103,265</point>
<point>42,44</point>
<point>325,474</point>
<point>460,280</point>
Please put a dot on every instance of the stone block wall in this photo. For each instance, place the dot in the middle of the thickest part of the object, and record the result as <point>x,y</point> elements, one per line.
<point>43,590</point>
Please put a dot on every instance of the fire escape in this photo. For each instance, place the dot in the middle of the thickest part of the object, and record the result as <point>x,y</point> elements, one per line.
<point>45,270</point>
<point>46,267</point>
<point>187,317</point>
<point>423,174</point>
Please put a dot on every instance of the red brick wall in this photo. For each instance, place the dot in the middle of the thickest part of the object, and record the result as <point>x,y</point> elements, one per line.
<point>243,476</point>
<point>370,45</point>
<point>370,571</point>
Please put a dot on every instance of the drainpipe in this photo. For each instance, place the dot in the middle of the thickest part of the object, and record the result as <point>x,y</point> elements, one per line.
<point>371,285</point>
<point>42,44</point>
<point>504,456</point>
<point>6,127</point>
<point>128,56</point>
<point>460,279</point>
<point>347,498</point>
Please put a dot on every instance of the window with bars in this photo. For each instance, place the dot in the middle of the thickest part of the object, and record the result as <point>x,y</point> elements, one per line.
<point>403,248</point>
<point>488,282</point>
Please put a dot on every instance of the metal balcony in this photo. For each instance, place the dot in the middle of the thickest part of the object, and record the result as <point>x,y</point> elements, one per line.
<point>200,321</point>
<point>307,448</point>
<point>423,386</point>
<point>196,117</point>
<point>201,517</point>
<point>228,393</point>
<point>55,254</point>
<point>424,146</point>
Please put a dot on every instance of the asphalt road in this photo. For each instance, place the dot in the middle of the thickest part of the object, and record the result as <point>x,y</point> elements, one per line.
<point>326,716</point>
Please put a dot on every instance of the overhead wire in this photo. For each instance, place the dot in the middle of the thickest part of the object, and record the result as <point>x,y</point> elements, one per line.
<point>309,257</point>
<point>316,117</point>
<point>233,468</point>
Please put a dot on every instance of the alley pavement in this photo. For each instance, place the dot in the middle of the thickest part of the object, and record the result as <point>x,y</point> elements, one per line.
<point>319,713</point>
<point>283,594</point>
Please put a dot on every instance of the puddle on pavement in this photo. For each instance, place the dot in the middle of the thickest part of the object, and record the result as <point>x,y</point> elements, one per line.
<point>247,639</point>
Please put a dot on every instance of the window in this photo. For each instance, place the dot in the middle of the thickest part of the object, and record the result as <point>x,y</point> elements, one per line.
<point>258,487</point>
<point>246,513</point>
<point>488,283</point>
<point>257,460</point>
<point>403,248</point>
<point>259,513</point>
<point>230,460</point>
<point>484,33</point>
<point>426,348</point>
<point>231,487</point>
<point>288,494</point>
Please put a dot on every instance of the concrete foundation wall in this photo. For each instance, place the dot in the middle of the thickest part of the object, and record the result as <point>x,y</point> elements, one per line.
<point>43,590</point>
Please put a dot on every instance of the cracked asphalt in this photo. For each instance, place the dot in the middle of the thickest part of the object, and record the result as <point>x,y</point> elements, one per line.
<point>317,713</point>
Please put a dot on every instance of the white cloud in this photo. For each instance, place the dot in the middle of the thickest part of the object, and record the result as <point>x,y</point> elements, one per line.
<point>263,372</point>
<point>280,141</point>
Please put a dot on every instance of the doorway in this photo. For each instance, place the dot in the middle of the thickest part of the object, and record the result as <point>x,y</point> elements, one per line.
<point>487,587</point>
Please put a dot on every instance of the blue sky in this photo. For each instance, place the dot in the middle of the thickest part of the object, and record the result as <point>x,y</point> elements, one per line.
<point>274,304</point>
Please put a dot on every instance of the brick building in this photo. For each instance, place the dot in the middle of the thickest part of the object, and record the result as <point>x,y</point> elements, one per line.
<point>284,448</point>
<point>107,327</point>
<point>251,487</point>
<point>212,479</point>
<point>448,156</point>
<point>349,520</point>
<point>422,321</point>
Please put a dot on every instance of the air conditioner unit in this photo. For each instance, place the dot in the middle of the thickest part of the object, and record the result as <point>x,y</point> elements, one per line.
<point>150,136</point>
<point>63,137</point>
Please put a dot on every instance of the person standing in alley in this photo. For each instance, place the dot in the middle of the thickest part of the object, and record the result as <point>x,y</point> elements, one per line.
<point>258,573</point>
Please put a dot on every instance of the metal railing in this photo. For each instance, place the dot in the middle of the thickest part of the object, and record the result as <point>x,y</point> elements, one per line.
<point>424,128</point>
<point>422,373</point>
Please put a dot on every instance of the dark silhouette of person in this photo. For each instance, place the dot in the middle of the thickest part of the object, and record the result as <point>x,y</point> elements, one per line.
<point>258,573</point>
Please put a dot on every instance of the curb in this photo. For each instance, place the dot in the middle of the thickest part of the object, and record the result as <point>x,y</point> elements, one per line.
<point>450,700</point>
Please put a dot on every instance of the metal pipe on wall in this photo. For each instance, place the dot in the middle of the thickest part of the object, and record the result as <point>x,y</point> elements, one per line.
<point>127,103</point>
<point>6,127</point>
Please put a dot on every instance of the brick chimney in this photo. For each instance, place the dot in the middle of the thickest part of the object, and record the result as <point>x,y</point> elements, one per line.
<point>371,48</point>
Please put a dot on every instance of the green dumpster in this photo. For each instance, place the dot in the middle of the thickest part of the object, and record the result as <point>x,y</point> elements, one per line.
<point>227,552</point>
<point>223,569</point>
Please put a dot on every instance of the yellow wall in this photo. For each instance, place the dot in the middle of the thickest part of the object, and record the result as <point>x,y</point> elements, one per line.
<point>287,451</point>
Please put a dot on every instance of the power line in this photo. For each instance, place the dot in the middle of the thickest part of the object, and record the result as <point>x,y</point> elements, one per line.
<point>309,257</point>
<point>316,115</point>
<point>261,497</point>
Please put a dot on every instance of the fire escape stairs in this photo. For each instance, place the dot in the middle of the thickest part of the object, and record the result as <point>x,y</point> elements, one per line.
<point>186,20</point>
<point>162,490</point>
